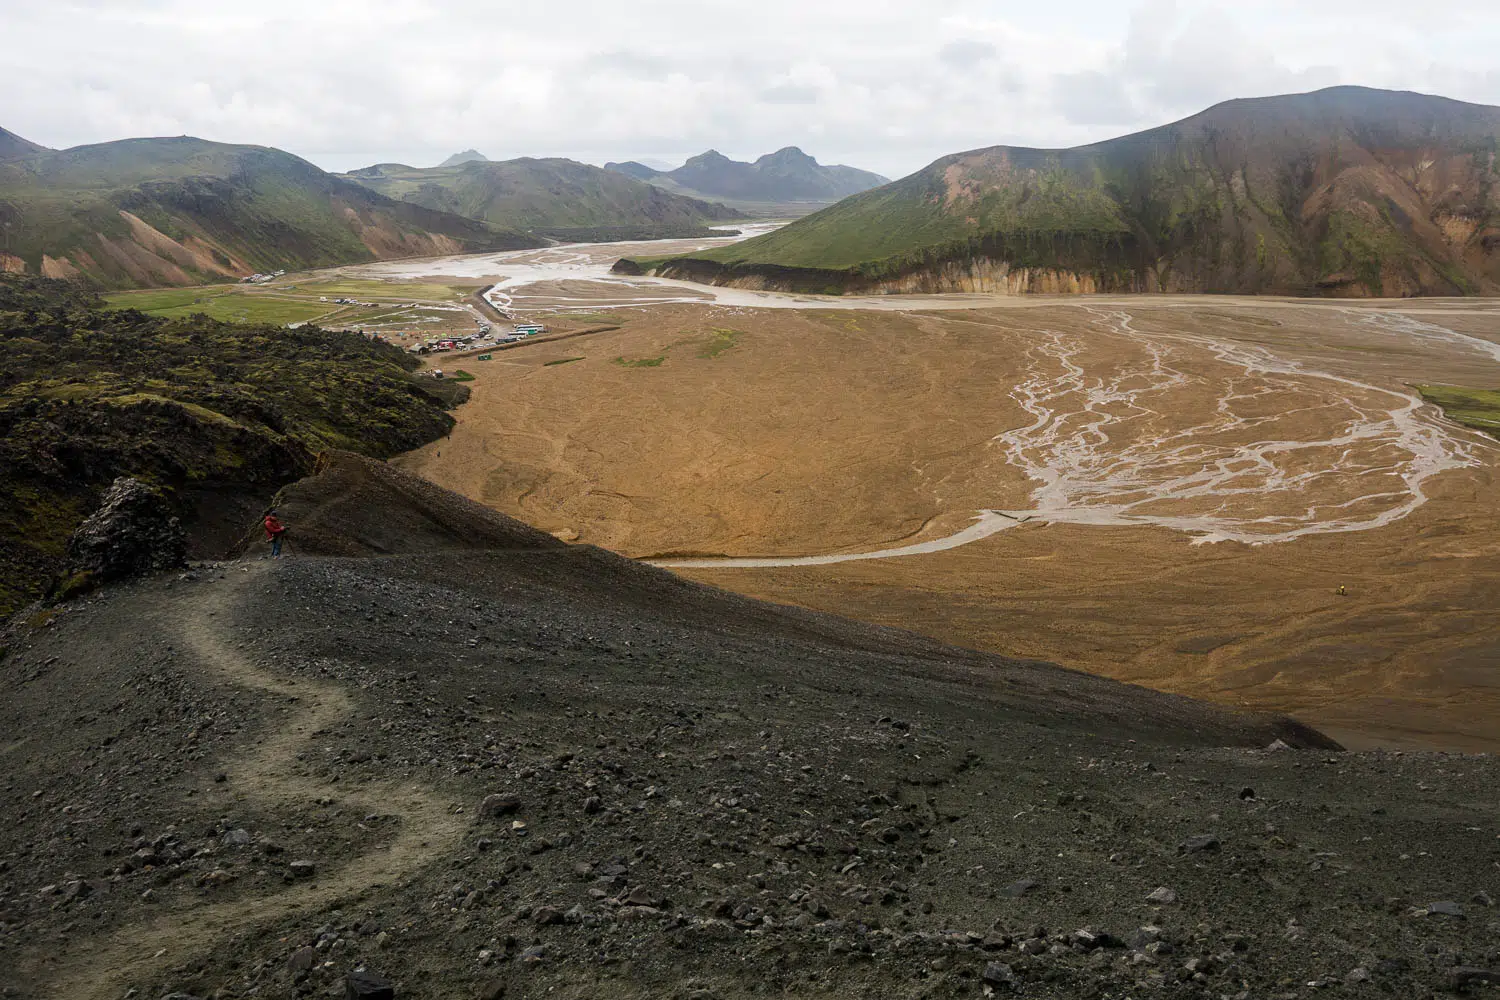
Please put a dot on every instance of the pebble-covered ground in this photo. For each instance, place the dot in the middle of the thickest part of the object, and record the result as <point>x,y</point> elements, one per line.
<point>554,773</point>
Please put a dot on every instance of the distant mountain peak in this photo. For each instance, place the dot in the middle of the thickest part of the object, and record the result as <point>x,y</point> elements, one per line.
<point>632,168</point>
<point>467,156</point>
<point>710,157</point>
<point>787,155</point>
<point>787,175</point>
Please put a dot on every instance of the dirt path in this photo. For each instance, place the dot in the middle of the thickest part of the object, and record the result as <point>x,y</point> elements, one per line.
<point>428,827</point>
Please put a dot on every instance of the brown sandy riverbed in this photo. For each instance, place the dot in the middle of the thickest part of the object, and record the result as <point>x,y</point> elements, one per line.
<point>725,431</point>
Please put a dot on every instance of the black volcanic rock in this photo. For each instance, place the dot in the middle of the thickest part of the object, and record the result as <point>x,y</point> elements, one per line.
<point>134,532</point>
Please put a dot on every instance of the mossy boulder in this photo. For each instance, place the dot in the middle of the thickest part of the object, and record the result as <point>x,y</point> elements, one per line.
<point>133,533</point>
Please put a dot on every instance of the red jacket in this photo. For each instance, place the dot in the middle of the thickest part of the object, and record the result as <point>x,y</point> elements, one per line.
<point>273,527</point>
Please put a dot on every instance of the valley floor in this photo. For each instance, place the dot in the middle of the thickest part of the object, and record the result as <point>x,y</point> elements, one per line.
<point>1201,477</point>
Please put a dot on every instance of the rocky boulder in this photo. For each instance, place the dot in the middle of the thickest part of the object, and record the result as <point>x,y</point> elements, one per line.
<point>133,533</point>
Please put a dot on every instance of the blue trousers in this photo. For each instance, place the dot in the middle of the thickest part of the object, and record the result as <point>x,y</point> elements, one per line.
<point>275,546</point>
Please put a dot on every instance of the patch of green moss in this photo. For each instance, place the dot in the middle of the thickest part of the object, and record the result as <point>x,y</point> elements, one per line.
<point>89,394</point>
<point>720,340</point>
<point>641,362</point>
<point>1477,408</point>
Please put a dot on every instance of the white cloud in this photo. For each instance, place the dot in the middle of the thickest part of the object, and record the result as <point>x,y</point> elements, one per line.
<point>875,83</point>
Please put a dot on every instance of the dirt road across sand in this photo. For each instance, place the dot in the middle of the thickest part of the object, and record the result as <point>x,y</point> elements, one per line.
<point>1201,475</point>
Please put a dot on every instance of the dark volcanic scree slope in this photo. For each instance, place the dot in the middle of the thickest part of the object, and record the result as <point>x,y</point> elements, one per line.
<point>449,749</point>
<point>1346,191</point>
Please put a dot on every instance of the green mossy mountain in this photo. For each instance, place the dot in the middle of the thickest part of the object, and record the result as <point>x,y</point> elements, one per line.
<point>184,211</point>
<point>1347,191</point>
<point>562,199</point>
<point>14,147</point>
<point>216,414</point>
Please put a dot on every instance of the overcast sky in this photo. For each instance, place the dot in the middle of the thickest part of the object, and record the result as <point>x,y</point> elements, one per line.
<point>879,84</point>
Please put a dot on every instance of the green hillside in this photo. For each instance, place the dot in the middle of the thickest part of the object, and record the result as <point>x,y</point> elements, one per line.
<point>553,197</point>
<point>1346,192</point>
<point>13,146</point>
<point>182,211</point>
<point>194,406</point>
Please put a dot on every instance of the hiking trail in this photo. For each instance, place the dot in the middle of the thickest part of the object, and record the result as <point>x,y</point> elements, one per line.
<point>272,776</point>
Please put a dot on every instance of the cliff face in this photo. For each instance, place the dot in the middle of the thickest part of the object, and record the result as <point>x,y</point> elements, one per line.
<point>979,276</point>
<point>1346,192</point>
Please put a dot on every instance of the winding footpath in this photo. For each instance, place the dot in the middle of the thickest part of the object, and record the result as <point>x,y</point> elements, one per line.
<point>428,828</point>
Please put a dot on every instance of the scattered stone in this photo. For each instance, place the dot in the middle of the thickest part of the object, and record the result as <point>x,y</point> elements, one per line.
<point>496,806</point>
<point>1090,938</point>
<point>1463,976</point>
<point>301,960</point>
<point>302,869</point>
<point>1247,794</point>
<point>1162,895</point>
<point>1445,908</point>
<point>236,838</point>
<point>546,915</point>
<point>367,986</point>
<point>999,974</point>
<point>1200,844</point>
<point>1018,889</point>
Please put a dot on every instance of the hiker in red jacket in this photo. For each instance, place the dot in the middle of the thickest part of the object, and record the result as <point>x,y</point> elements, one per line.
<point>274,530</point>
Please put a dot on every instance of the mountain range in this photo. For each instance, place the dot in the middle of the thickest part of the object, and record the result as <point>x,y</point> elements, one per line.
<point>1347,191</point>
<point>787,175</point>
<point>182,211</point>
<point>467,156</point>
<point>559,198</point>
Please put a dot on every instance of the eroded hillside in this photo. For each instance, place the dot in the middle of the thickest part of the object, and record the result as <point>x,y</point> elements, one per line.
<point>182,211</point>
<point>1343,192</point>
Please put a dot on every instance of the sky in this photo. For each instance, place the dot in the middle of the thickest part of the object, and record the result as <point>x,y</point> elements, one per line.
<point>876,84</point>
